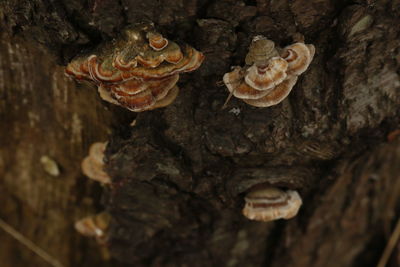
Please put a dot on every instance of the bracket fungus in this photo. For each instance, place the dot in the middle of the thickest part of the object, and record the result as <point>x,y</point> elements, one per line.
<point>269,75</point>
<point>139,70</point>
<point>92,165</point>
<point>50,165</point>
<point>267,203</point>
<point>94,226</point>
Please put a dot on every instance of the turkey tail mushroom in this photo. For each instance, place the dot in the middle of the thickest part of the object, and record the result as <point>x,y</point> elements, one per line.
<point>268,78</point>
<point>299,57</point>
<point>268,203</point>
<point>138,70</point>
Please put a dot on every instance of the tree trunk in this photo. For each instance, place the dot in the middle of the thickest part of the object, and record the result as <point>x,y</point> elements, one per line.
<point>180,173</point>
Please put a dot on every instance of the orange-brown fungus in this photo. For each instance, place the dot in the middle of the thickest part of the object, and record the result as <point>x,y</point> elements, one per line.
<point>268,76</point>
<point>138,70</point>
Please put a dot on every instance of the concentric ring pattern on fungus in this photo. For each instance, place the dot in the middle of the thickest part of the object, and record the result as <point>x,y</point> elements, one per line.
<point>269,75</point>
<point>139,70</point>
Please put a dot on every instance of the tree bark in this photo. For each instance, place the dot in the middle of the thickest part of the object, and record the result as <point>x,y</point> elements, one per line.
<point>180,173</point>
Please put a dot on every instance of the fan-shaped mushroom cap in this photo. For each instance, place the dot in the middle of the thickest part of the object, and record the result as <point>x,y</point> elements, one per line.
<point>276,95</point>
<point>236,85</point>
<point>92,165</point>
<point>269,203</point>
<point>268,76</point>
<point>105,94</point>
<point>103,71</point>
<point>79,69</point>
<point>138,95</point>
<point>299,57</point>
<point>233,79</point>
<point>150,66</point>
<point>156,41</point>
<point>168,99</point>
<point>152,58</point>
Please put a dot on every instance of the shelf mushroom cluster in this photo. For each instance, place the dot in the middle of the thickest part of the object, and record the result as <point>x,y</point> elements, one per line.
<point>269,75</point>
<point>139,71</point>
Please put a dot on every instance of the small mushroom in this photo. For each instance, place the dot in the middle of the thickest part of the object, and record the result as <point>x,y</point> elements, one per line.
<point>267,203</point>
<point>92,165</point>
<point>50,165</point>
<point>260,51</point>
<point>94,226</point>
<point>268,78</point>
<point>157,41</point>
<point>137,70</point>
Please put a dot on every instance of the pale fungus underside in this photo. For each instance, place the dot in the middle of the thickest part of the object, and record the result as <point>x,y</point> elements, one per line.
<point>268,76</point>
<point>268,203</point>
<point>93,165</point>
<point>95,226</point>
<point>138,71</point>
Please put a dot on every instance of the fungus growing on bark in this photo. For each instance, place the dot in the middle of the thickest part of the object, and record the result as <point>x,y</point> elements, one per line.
<point>92,165</point>
<point>267,203</point>
<point>280,92</point>
<point>260,51</point>
<point>268,78</point>
<point>265,77</point>
<point>139,70</point>
<point>156,41</point>
<point>50,165</point>
<point>94,226</point>
<point>298,56</point>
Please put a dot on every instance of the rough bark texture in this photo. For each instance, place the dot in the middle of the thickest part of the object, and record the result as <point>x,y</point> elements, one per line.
<point>180,174</point>
<point>44,114</point>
